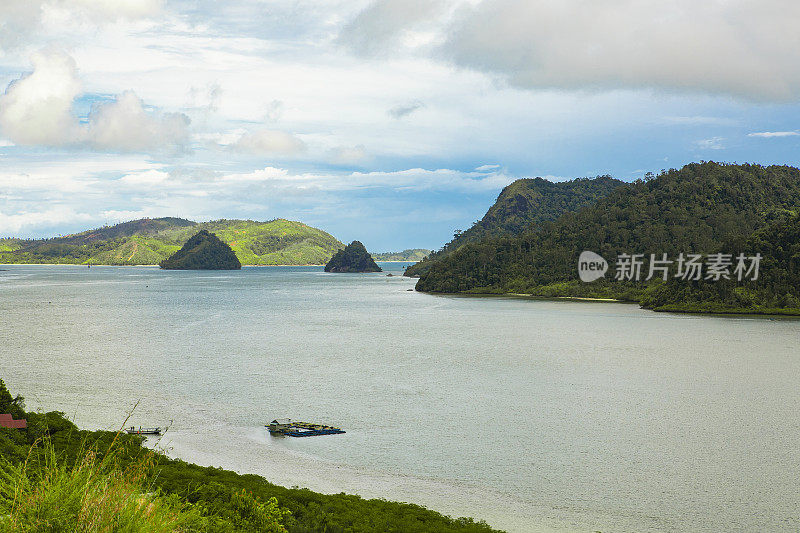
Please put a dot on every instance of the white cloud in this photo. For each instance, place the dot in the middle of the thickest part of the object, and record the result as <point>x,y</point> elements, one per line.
<point>714,143</point>
<point>124,125</point>
<point>417,179</point>
<point>147,177</point>
<point>259,142</point>
<point>18,20</point>
<point>113,9</point>
<point>348,155</point>
<point>84,177</point>
<point>423,179</point>
<point>745,48</point>
<point>37,108</point>
<point>205,99</point>
<point>260,175</point>
<point>385,24</point>
<point>274,111</point>
<point>269,142</point>
<point>769,134</point>
<point>26,22</point>
<point>699,120</point>
<point>12,224</point>
<point>403,110</point>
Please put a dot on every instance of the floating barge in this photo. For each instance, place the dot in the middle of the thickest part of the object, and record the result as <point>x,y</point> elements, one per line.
<point>143,431</point>
<point>285,426</point>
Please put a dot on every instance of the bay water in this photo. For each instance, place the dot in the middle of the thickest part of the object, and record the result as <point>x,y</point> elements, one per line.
<point>532,415</point>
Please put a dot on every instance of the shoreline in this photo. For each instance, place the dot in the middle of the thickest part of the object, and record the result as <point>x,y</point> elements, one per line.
<point>770,314</point>
<point>286,469</point>
<point>199,469</point>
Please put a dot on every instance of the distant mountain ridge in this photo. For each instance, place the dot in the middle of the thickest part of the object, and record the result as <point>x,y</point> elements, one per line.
<point>150,241</point>
<point>413,254</point>
<point>522,204</point>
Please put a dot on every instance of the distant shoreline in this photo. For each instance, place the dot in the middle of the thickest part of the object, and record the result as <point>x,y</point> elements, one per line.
<point>578,298</point>
<point>105,265</point>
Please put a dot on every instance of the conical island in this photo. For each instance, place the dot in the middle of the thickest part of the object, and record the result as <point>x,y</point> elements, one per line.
<point>204,251</point>
<point>353,258</point>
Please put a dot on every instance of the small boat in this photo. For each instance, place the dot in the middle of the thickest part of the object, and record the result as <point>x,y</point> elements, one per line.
<point>143,431</point>
<point>285,426</point>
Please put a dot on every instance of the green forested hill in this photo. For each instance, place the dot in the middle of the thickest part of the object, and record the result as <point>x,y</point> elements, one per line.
<point>525,202</point>
<point>353,258</point>
<point>700,208</point>
<point>204,251</point>
<point>150,241</point>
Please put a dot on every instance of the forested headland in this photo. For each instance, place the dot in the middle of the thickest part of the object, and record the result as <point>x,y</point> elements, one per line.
<point>703,208</point>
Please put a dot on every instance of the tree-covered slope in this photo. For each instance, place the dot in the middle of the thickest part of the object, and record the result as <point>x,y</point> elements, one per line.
<point>7,245</point>
<point>277,242</point>
<point>523,203</point>
<point>204,251</point>
<point>150,241</point>
<point>776,289</point>
<point>696,209</point>
<point>353,258</point>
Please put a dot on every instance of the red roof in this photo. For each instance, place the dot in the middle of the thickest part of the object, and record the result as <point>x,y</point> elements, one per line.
<point>7,421</point>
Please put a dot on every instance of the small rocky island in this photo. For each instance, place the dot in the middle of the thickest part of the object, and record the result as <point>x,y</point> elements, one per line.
<point>204,251</point>
<point>353,258</point>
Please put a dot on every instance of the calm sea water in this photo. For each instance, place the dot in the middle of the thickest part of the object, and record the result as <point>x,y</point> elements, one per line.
<point>532,415</point>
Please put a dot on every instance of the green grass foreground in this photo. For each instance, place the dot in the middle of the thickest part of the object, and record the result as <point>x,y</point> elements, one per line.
<point>55,477</point>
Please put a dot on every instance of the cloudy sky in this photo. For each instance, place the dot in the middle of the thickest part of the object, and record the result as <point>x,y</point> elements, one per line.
<point>391,121</point>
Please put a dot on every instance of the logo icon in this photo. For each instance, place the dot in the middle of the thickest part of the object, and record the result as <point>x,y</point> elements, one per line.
<point>591,266</point>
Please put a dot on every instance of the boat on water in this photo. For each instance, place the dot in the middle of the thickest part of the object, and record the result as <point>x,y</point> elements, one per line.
<point>143,431</point>
<point>285,426</point>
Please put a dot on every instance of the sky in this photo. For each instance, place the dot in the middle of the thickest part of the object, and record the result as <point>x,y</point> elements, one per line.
<point>394,122</point>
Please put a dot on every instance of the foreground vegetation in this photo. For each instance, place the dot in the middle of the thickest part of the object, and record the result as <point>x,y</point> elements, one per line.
<point>55,477</point>
<point>702,208</point>
<point>150,241</point>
